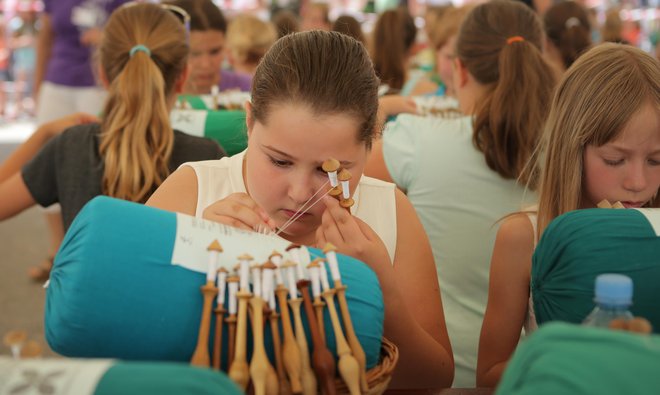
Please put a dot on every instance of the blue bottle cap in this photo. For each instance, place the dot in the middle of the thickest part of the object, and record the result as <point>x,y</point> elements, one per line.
<point>614,289</point>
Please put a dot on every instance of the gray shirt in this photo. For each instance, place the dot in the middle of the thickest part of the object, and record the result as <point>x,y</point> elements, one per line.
<point>69,169</point>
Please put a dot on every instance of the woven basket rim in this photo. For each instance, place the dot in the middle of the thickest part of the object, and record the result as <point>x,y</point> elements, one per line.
<point>380,375</point>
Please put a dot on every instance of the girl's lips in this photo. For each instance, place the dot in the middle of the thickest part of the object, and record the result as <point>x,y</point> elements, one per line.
<point>291,213</point>
<point>632,204</point>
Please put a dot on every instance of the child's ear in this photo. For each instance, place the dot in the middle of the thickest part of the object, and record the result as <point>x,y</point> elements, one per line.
<point>461,72</point>
<point>249,122</point>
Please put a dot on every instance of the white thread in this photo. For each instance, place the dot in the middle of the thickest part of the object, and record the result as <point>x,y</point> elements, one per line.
<point>295,216</point>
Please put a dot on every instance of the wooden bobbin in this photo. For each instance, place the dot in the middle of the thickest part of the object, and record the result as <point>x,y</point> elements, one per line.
<point>318,302</point>
<point>219,319</point>
<point>239,369</point>
<point>201,355</point>
<point>231,327</point>
<point>349,369</point>
<point>15,340</point>
<point>322,360</point>
<point>345,201</point>
<point>291,357</point>
<point>353,342</point>
<point>272,318</point>
<point>307,378</point>
<point>262,373</point>
<point>329,166</point>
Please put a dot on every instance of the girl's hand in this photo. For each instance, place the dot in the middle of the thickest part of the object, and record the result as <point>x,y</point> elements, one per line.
<point>240,211</point>
<point>395,104</point>
<point>351,236</point>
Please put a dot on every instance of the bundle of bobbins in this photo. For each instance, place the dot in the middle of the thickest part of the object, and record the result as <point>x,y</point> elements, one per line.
<point>20,346</point>
<point>294,369</point>
<point>339,182</point>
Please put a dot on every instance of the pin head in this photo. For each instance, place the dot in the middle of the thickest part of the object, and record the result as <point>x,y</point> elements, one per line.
<point>214,246</point>
<point>344,175</point>
<point>274,254</point>
<point>329,247</point>
<point>330,165</point>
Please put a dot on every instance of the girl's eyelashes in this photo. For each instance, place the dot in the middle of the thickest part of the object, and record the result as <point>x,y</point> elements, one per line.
<point>279,163</point>
<point>613,162</point>
<point>654,161</point>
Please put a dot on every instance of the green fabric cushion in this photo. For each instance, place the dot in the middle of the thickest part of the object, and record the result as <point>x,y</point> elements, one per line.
<point>578,246</point>
<point>569,359</point>
<point>139,378</point>
<point>115,294</point>
<point>227,127</point>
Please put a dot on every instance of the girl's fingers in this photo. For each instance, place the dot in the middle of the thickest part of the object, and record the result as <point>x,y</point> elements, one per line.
<point>320,238</point>
<point>345,222</point>
<point>331,230</point>
<point>238,210</point>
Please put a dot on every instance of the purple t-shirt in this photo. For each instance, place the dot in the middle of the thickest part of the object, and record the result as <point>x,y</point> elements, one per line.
<point>70,61</point>
<point>232,80</point>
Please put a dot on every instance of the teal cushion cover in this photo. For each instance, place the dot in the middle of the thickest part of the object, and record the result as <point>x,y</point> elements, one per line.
<point>569,359</point>
<point>114,293</point>
<point>163,378</point>
<point>578,246</point>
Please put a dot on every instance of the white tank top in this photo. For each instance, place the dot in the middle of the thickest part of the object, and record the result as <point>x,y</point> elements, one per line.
<point>374,199</point>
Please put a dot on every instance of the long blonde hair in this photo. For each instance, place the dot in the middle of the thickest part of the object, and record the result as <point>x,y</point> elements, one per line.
<point>500,44</point>
<point>597,97</point>
<point>137,139</point>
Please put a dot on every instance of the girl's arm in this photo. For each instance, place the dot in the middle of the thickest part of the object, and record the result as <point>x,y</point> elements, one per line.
<point>41,136</point>
<point>508,295</point>
<point>15,196</point>
<point>414,318</point>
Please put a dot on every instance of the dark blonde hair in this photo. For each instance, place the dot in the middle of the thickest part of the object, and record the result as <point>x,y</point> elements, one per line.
<point>500,45</point>
<point>137,139</point>
<point>204,14</point>
<point>248,38</point>
<point>448,25</point>
<point>285,22</point>
<point>597,97</point>
<point>329,72</point>
<point>393,36</point>
<point>349,26</point>
<point>567,27</point>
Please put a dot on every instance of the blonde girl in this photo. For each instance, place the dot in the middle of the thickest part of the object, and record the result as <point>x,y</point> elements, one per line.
<point>464,173</point>
<point>143,56</point>
<point>601,141</point>
<point>248,40</point>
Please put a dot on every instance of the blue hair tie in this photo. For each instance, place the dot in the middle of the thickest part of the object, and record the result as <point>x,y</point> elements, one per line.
<point>139,48</point>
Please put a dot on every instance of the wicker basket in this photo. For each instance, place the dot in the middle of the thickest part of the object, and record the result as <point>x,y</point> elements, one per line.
<point>380,375</point>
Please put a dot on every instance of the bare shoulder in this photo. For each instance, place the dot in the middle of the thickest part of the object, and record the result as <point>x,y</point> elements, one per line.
<point>516,229</point>
<point>177,193</point>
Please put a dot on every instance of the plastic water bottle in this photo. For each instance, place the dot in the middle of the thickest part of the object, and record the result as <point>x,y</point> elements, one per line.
<point>613,300</point>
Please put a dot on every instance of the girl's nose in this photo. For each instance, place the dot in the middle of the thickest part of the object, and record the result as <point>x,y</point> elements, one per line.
<point>636,178</point>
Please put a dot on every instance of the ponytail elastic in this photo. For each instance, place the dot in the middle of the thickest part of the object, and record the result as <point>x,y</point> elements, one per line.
<point>139,48</point>
<point>514,39</point>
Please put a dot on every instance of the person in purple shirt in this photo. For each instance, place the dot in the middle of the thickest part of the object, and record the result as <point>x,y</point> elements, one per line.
<point>64,75</point>
<point>208,29</point>
<point>64,78</point>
